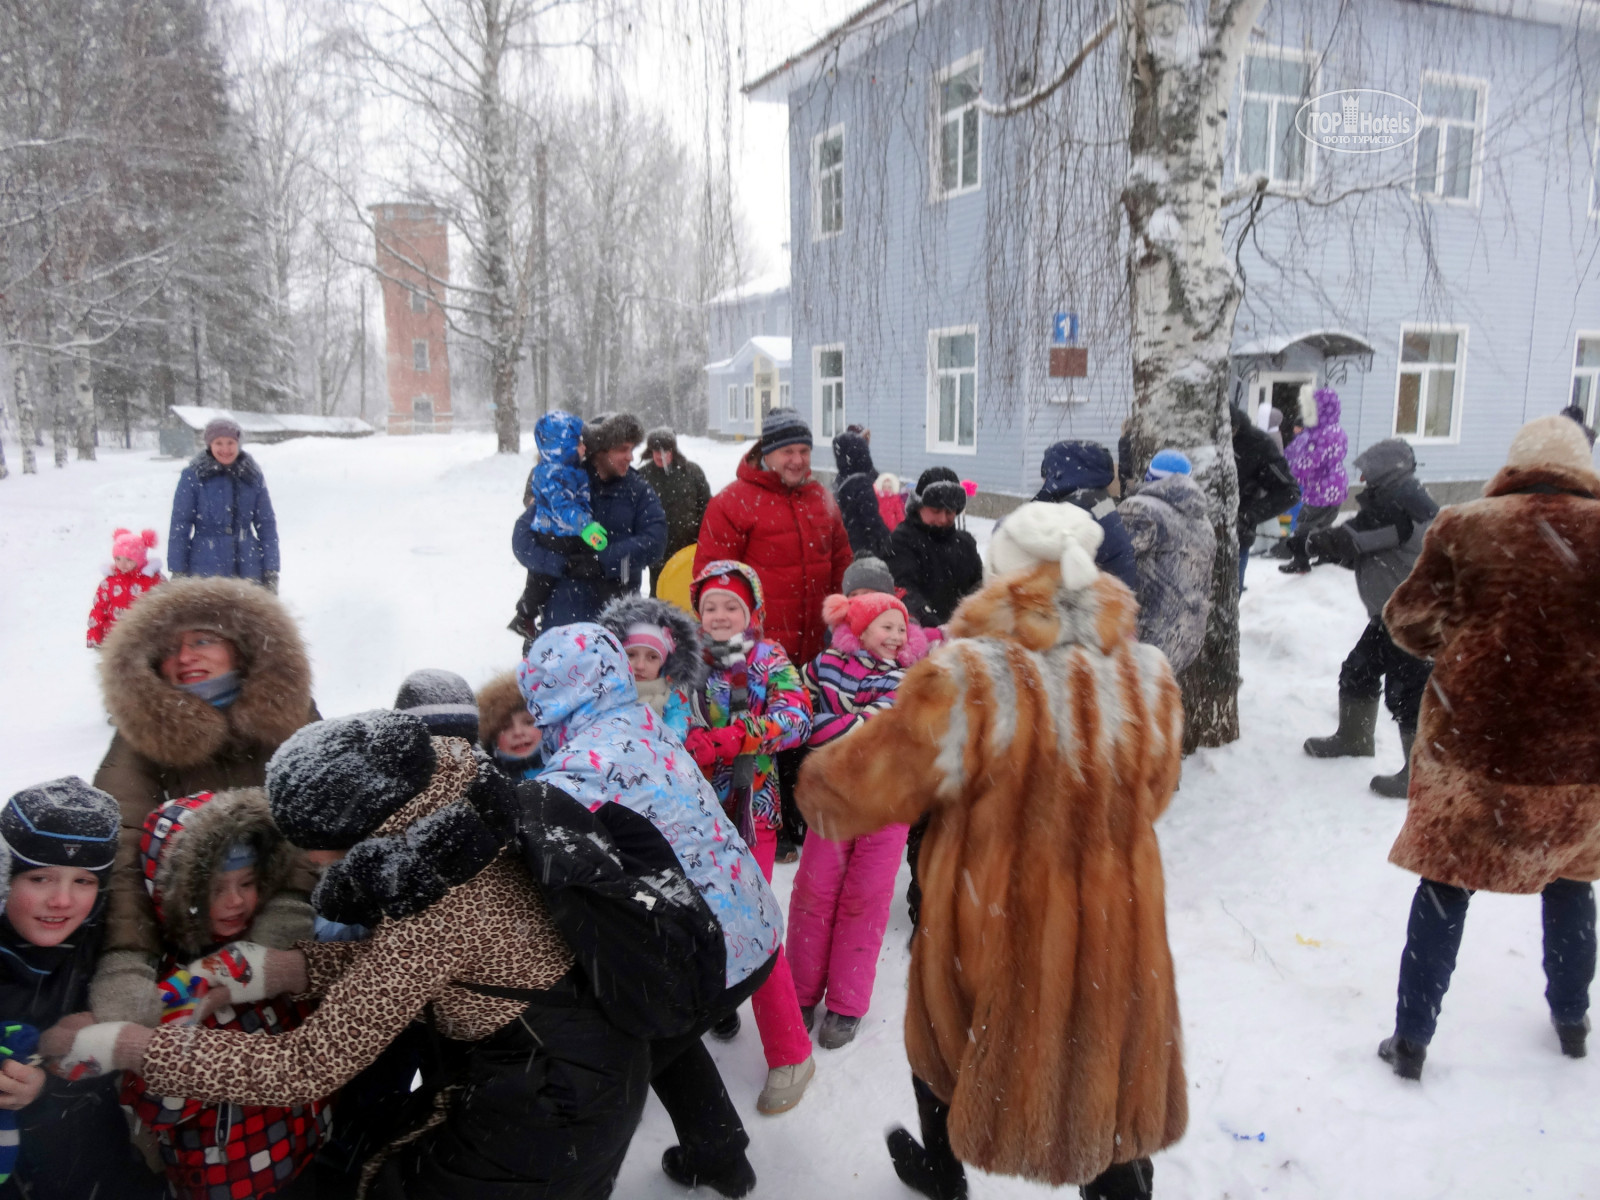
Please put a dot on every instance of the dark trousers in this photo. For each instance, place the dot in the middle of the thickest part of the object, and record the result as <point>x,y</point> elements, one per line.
<point>690,1088</point>
<point>1312,518</point>
<point>1120,1181</point>
<point>1433,935</point>
<point>1377,666</point>
<point>544,1110</point>
<point>788,764</point>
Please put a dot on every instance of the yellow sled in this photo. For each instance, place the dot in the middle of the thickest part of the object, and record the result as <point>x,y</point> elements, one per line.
<point>672,584</point>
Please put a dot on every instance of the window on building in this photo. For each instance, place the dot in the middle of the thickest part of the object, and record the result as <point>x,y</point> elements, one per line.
<point>419,302</point>
<point>1594,168</point>
<point>749,402</point>
<point>1586,376</point>
<point>830,390</point>
<point>1428,400</point>
<point>1276,83</point>
<point>828,173</point>
<point>783,395</point>
<point>953,394</point>
<point>422,414</point>
<point>419,354</point>
<point>958,146</point>
<point>1450,136</point>
<point>733,402</point>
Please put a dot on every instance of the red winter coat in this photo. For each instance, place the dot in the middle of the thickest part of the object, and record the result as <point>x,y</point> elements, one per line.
<point>118,590</point>
<point>795,540</point>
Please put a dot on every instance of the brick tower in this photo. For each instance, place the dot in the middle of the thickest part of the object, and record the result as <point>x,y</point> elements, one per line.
<point>413,263</point>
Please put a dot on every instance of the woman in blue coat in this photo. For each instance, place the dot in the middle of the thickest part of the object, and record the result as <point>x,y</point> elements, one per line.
<point>222,519</point>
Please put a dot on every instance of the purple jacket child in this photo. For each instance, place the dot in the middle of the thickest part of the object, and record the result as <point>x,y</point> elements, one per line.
<point>1316,457</point>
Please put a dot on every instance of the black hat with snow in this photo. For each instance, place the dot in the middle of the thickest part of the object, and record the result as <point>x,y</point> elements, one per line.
<point>63,823</point>
<point>940,487</point>
<point>441,700</point>
<point>783,427</point>
<point>610,430</point>
<point>660,438</point>
<point>334,782</point>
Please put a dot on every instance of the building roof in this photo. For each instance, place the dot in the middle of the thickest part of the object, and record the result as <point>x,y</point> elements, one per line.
<point>778,349</point>
<point>761,285</point>
<point>276,425</point>
<point>851,37</point>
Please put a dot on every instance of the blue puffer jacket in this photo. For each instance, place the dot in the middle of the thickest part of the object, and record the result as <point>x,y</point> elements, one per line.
<point>636,526</point>
<point>222,520</point>
<point>1079,473</point>
<point>602,745</point>
<point>558,486</point>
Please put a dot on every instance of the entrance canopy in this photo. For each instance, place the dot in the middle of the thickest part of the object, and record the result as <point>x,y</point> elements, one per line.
<point>1330,343</point>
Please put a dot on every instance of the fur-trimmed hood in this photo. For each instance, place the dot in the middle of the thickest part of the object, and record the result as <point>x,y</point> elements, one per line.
<point>184,842</point>
<point>685,667</point>
<point>167,724</point>
<point>244,468</point>
<point>1034,610</point>
<point>498,701</point>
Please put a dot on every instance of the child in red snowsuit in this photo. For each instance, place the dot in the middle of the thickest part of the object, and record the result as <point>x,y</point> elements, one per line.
<point>133,573</point>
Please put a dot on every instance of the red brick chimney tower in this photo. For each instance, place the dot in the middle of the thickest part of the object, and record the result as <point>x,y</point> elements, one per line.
<point>413,265</point>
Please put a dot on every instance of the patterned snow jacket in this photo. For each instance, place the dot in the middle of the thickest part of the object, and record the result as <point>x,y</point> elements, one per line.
<point>775,712</point>
<point>602,745</point>
<point>1316,457</point>
<point>559,486</point>
<point>848,684</point>
<point>221,1149</point>
<point>116,592</point>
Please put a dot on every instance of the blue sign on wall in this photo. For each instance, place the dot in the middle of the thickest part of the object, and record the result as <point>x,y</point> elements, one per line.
<point>1065,329</point>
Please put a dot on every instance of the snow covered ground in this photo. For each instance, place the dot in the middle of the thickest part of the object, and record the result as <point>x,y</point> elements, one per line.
<point>1286,921</point>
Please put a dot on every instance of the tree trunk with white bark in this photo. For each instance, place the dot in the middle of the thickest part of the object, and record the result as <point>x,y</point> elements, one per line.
<point>83,397</point>
<point>1184,294</point>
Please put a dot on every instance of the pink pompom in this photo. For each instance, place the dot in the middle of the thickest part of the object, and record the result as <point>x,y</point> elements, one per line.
<point>970,486</point>
<point>835,610</point>
<point>149,538</point>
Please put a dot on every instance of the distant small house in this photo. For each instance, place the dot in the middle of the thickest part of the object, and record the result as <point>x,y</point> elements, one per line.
<point>180,436</point>
<point>747,334</point>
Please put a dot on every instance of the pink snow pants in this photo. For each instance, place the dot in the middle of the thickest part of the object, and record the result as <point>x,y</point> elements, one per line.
<point>783,1034</point>
<point>837,914</point>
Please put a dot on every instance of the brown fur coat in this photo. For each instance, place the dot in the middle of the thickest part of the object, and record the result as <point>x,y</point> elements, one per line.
<point>170,744</point>
<point>1505,599</point>
<point>1044,742</point>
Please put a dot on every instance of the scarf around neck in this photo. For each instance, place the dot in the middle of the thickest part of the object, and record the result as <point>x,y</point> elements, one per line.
<point>219,691</point>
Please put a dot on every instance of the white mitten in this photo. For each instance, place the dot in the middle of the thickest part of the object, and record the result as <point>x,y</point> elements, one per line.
<point>239,968</point>
<point>94,1051</point>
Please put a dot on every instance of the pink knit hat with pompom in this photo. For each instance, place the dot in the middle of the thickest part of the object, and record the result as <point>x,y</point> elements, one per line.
<point>861,611</point>
<point>127,544</point>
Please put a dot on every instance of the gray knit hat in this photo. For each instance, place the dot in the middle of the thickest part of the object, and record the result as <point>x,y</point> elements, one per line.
<point>783,427</point>
<point>63,823</point>
<point>867,572</point>
<point>441,700</point>
<point>221,427</point>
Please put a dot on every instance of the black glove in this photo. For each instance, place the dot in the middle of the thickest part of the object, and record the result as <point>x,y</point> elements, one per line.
<point>1335,544</point>
<point>584,565</point>
<point>269,580</point>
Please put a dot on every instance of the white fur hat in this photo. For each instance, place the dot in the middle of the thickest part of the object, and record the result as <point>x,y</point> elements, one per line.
<point>1039,532</point>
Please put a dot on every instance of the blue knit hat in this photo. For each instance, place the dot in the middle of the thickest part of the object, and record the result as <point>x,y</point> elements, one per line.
<point>1168,462</point>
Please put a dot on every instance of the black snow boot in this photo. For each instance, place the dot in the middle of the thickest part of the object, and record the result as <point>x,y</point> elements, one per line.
<point>1405,1057</point>
<point>1122,1181</point>
<point>1395,787</point>
<point>924,1173</point>
<point>736,1179</point>
<point>1358,720</point>
<point>726,1029</point>
<point>1574,1038</point>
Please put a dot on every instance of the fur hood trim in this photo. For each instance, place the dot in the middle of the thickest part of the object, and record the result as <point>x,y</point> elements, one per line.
<point>1510,480</point>
<point>244,468</point>
<point>442,838</point>
<point>685,667</point>
<point>498,701</point>
<point>167,724</point>
<point>919,642</point>
<point>183,843</point>
<point>1033,609</point>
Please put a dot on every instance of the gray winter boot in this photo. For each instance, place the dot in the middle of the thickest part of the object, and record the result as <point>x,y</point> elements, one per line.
<point>1396,786</point>
<point>1358,718</point>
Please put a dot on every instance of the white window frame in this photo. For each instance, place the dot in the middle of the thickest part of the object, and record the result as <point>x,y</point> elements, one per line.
<point>821,179</point>
<point>1458,397</point>
<point>783,395</point>
<point>941,119</point>
<point>749,402</point>
<point>426,356</point>
<point>1290,187</point>
<point>819,385</point>
<point>1591,373</point>
<point>733,402</point>
<point>1479,124</point>
<point>934,445</point>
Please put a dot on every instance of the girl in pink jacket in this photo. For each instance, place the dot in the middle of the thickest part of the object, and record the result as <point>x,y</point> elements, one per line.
<point>840,905</point>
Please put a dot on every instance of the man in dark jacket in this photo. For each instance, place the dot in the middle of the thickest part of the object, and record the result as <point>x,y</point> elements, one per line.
<point>682,488</point>
<point>936,564</point>
<point>1266,486</point>
<point>858,502</point>
<point>625,506</point>
<point>1381,543</point>
<point>1080,473</point>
